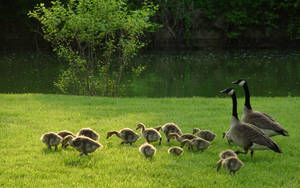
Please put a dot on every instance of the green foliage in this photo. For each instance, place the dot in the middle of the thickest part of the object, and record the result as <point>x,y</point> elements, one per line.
<point>28,163</point>
<point>237,17</point>
<point>98,38</point>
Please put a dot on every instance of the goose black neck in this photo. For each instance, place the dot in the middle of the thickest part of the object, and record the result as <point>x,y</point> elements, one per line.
<point>247,96</point>
<point>234,106</point>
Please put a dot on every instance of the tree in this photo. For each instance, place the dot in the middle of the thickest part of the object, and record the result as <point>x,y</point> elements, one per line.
<point>98,38</point>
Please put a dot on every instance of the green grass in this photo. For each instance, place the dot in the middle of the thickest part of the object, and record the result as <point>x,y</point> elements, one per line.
<point>25,161</point>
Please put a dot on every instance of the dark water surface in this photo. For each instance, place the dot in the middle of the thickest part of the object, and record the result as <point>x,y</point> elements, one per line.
<point>171,74</point>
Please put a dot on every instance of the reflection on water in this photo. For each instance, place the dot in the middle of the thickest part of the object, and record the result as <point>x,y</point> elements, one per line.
<point>171,74</point>
<point>200,73</point>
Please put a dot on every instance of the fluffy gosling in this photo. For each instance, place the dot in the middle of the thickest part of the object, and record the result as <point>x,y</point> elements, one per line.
<point>127,135</point>
<point>150,134</point>
<point>175,150</point>
<point>227,153</point>
<point>205,134</point>
<point>63,134</point>
<point>83,144</point>
<point>88,132</point>
<point>232,164</point>
<point>51,139</point>
<point>147,150</point>
<point>198,143</point>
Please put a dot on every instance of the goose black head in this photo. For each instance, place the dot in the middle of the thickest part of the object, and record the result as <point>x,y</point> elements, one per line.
<point>240,82</point>
<point>228,91</point>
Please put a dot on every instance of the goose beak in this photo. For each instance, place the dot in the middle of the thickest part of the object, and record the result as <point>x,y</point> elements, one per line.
<point>236,82</point>
<point>223,91</point>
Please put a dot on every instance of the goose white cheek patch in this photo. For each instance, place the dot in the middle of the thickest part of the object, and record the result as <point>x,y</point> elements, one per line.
<point>242,83</point>
<point>231,92</point>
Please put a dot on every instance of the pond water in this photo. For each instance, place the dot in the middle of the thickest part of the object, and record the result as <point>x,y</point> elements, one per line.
<point>172,74</point>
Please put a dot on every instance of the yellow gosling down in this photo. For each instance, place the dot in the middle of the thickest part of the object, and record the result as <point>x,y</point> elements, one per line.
<point>147,150</point>
<point>88,132</point>
<point>169,128</point>
<point>83,144</point>
<point>175,150</point>
<point>198,143</point>
<point>232,164</point>
<point>51,139</point>
<point>150,134</point>
<point>127,135</point>
<point>205,134</point>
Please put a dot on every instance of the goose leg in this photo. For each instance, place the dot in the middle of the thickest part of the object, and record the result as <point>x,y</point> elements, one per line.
<point>55,148</point>
<point>160,141</point>
<point>238,152</point>
<point>251,153</point>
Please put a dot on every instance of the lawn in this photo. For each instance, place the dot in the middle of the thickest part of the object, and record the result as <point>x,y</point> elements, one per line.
<point>26,162</point>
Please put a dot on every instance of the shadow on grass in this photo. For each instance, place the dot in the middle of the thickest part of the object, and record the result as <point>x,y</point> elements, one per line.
<point>51,151</point>
<point>84,161</point>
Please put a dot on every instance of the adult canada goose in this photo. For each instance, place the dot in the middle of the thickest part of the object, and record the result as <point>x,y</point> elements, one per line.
<point>51,139</point>
<point>227,153</point>
<point>182,137</point>
<point>198,143</point>
<point>260,119</point>
<point>150,134</point>
<point>127,135</point>
<point>175,150</point>
<point>246,135</point>
<point>205,134</point>
<point>63,134</point>
<point>83,144</point>
<point>147,150</point>
<point>232,164</point>
<point>169,128</point>
<point>88,132</point>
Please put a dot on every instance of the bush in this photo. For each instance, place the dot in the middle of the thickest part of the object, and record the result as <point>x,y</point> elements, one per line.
<point>98,38</point>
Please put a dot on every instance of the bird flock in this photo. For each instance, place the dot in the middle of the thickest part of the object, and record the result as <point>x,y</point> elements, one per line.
<point>252,132</point>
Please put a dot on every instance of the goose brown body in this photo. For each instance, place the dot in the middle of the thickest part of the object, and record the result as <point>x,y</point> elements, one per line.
<point>259,119</point>
<point>247,135</point>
